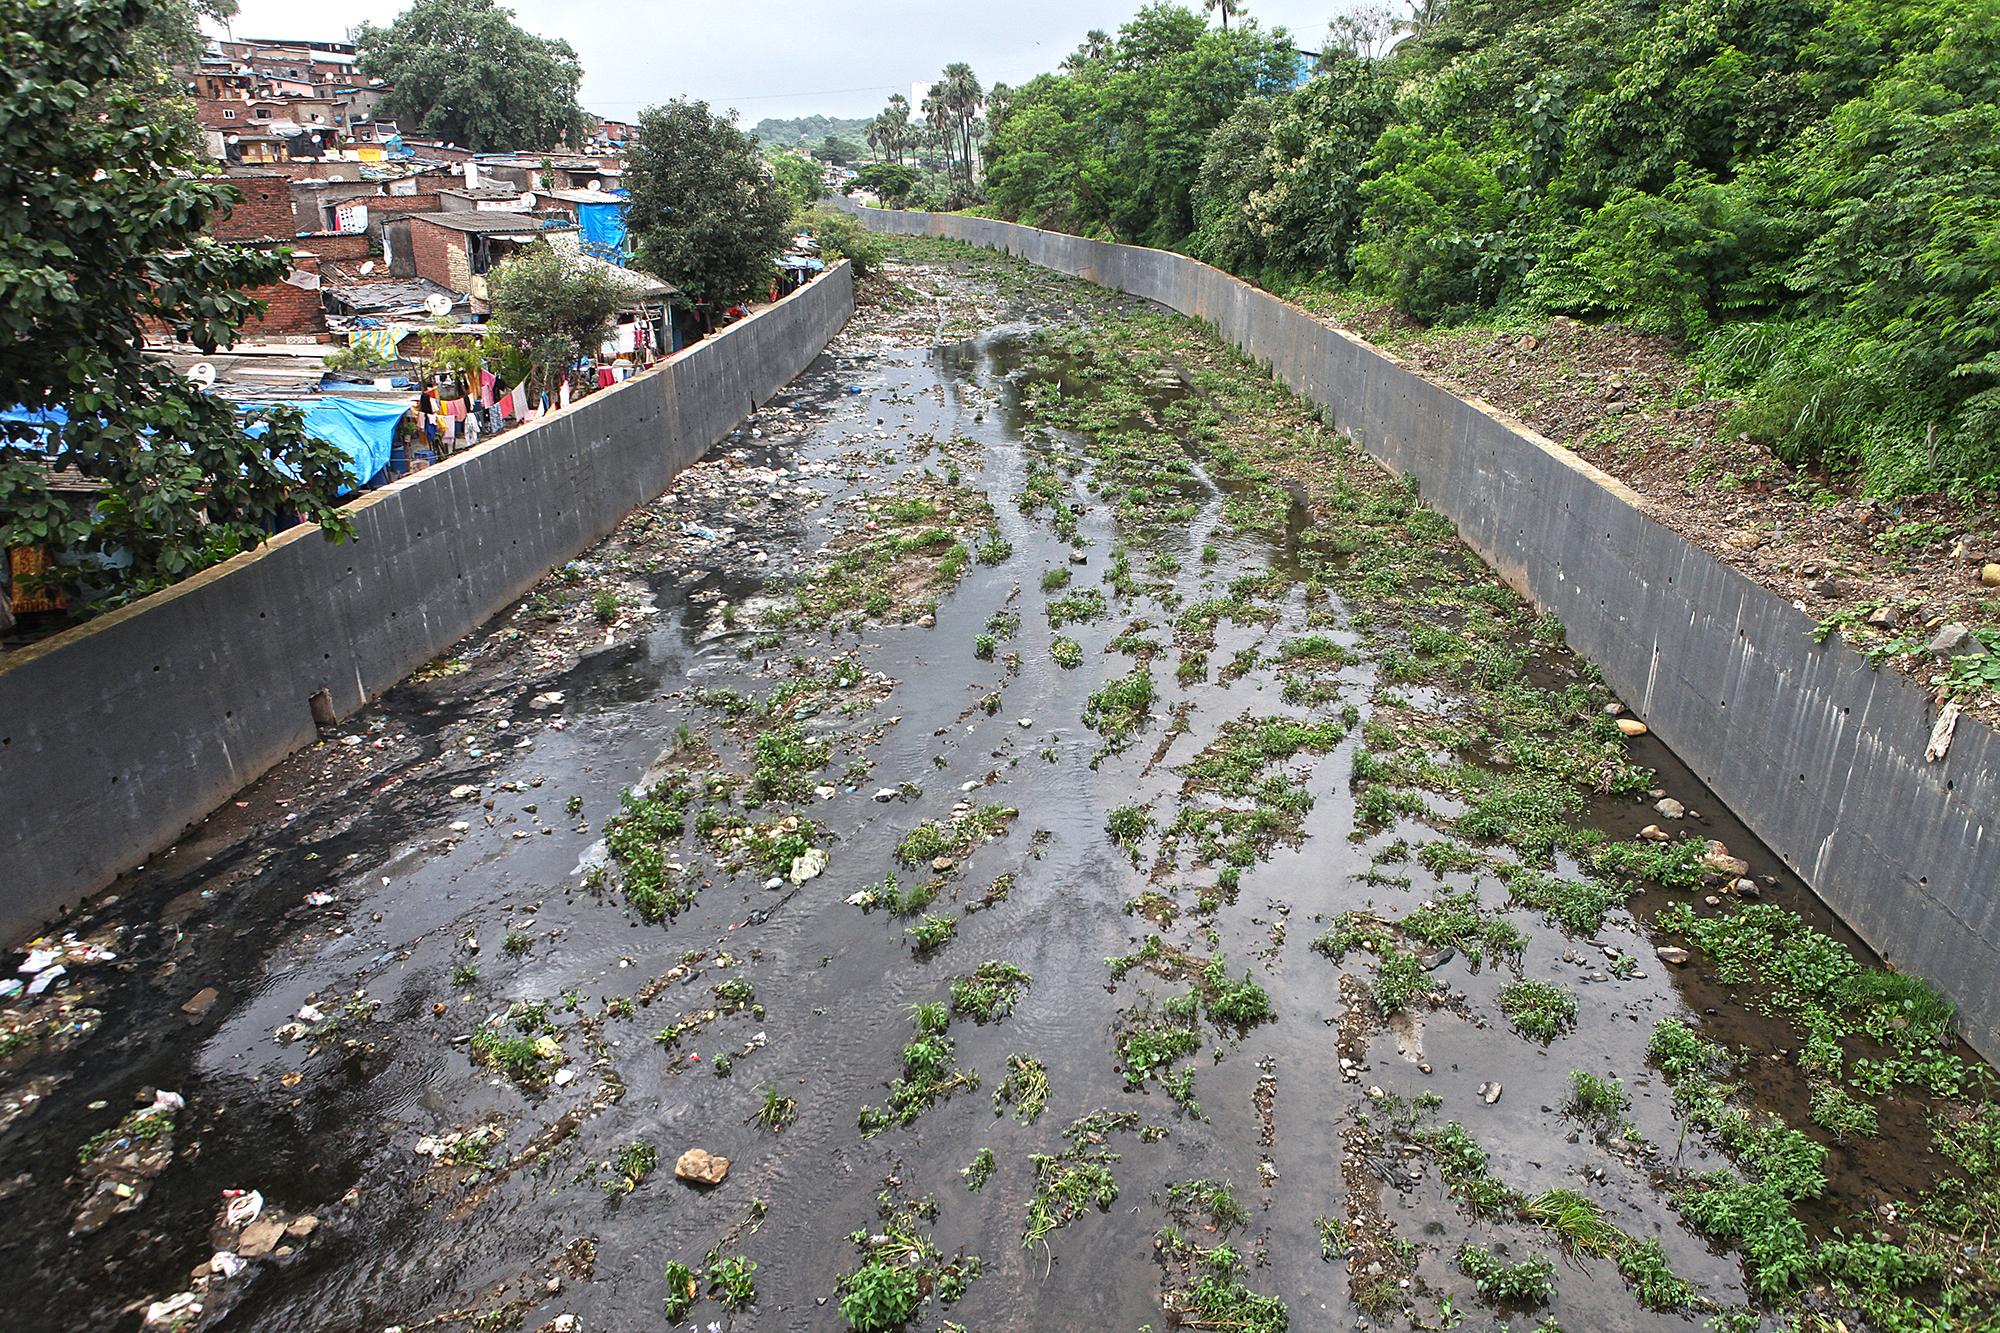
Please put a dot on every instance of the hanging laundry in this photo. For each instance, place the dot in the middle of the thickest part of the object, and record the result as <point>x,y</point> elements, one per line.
<point>562,395</point>
<point>486,386</point>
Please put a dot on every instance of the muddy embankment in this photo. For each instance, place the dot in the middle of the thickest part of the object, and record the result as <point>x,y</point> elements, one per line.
<point>1087,847</point>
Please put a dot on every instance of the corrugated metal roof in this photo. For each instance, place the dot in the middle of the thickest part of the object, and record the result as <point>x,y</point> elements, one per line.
<point>488,223</point>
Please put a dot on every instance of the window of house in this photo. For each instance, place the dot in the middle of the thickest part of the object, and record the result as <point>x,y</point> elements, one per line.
<point>228,115</point>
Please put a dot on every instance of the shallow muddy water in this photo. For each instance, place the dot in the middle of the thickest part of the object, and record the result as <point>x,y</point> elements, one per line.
<point>449,908</point>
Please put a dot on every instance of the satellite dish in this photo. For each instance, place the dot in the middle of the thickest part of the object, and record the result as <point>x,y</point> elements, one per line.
<point>597,185</point>
<point>367,267</point>
<point>527,199</point>
<point>438,304</point>
<point>202,373</point>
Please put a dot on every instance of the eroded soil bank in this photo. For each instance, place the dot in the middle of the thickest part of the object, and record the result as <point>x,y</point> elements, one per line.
<point>1088,848</point>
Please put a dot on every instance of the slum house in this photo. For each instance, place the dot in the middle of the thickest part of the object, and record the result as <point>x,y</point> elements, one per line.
<point>458,250</point>
<point>390,316</point>
<point>541,171</point>
<point>600,217</point>
<point>485,199</point>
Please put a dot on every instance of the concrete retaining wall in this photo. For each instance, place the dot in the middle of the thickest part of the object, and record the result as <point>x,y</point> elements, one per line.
<point>117,735</point>
<point>1818,754</point>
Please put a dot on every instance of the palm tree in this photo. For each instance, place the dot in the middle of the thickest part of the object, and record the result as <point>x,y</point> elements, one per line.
<point>937,118</point>
<point>1095,46</point>
<point>1228,7</point>
<point>895,123</point>
<point>961,96</point>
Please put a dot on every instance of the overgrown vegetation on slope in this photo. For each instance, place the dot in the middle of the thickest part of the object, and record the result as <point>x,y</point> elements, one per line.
<point>1802,190</point>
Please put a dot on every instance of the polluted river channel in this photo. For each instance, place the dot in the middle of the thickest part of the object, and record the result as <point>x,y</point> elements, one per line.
<point>1086,846</point>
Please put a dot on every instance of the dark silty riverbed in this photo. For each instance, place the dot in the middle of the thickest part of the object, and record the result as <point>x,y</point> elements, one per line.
<point>1088,848</point>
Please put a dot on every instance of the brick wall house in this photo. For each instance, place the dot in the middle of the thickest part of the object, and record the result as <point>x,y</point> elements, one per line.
<point>292,304</point>
<point>264,212</point>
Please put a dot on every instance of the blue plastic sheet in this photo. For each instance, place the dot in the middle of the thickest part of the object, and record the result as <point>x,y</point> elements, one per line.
<point>362,428</point>
<point>603,230</point>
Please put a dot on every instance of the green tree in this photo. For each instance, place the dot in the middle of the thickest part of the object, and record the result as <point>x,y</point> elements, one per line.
<point>1116,145</point>
<point>465,72</point>
<point>556,307</point>
<point>1279,191</point>
<point>840,236</point>
<point>168,40</point>
<point>887,181</point>
<point>838,152</point>
<point>799,180</point>
<point>103,217</point>
<point>705,215</point>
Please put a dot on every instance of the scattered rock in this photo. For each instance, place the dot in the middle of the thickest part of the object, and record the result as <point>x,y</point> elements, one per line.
<point>260,1238</point>
<point>1823,588</point>
<point>1989,574</point>
<point>1882,617</point>
<point>1956,640</point>
<point>942,864</point>
<point>1490,1092</point>
<point>1669,808</point>
<point>198,1004</point>
<point>1632,726</point>
<point>1674,954</point>
<point>1654,833</point>
<point>465,792</point>
<point>1721,862</point>
<point>1747,888</point>
<point>698,1166</point>
<point>885,793</point>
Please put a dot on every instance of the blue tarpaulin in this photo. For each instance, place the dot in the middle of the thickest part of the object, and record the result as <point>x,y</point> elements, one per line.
<point>603,230</point>
<point>362,428</point>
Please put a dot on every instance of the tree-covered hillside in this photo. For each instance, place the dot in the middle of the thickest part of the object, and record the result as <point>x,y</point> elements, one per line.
<point>805,131</point>
<point>1806,191</point>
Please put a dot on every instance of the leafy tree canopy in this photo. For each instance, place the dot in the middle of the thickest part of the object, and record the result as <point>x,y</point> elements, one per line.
<point>1115,144</point>
<point>103,216</point>
<point>798,179</point>
<point>556,307</point>
<point>886,180</point>
<point>705,213</point>
<point>465,72</point>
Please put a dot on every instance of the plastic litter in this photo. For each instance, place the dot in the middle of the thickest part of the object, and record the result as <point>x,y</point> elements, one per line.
<point>225,1264</point>
<point>244,1206</point>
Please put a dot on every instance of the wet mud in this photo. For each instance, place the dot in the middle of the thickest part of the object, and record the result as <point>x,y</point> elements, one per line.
<point>453,1006</point>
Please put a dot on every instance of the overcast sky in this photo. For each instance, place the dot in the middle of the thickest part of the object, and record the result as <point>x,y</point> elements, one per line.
<point>782,57</point>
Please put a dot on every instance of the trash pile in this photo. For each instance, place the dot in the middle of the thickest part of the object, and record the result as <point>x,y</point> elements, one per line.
<point>246,1233</point>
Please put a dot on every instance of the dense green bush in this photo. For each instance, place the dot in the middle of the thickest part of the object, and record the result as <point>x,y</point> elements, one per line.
<point>1806,191</point>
